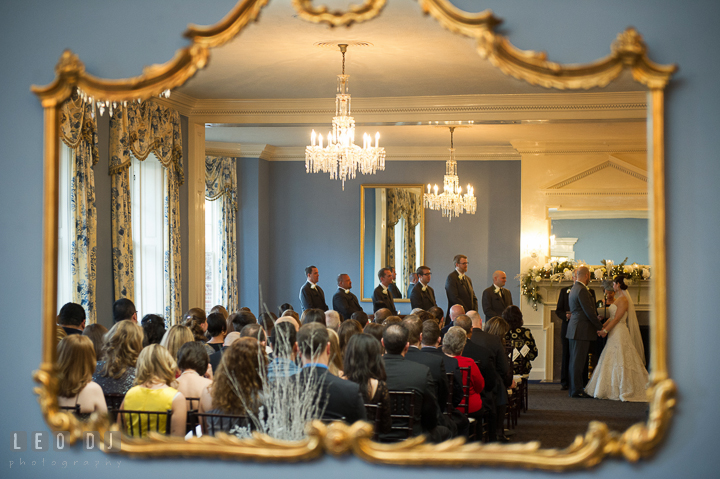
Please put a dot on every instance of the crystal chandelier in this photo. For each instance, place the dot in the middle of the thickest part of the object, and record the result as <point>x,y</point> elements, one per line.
<point>451,202</point>
<point>340,156</point>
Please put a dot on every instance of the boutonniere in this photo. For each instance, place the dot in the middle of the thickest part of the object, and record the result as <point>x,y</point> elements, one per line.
<point>461,276</point>
<point>347,291</point>
<point>424,288</point>
<point>313,286</point>
<point>385,291</point>
<point>497,290</point>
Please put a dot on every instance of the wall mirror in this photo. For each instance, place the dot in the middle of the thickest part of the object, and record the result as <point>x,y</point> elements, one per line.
<point>530,112</point>
<point>391,233</point>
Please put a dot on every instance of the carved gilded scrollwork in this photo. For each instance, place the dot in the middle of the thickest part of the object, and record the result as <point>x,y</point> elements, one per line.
<point>628,52</point>
<point>357,13</point>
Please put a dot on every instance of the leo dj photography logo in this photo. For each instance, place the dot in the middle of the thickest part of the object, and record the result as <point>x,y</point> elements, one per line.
<point>33,442</point>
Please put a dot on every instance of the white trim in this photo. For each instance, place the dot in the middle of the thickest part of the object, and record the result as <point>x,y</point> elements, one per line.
<point>596,214</point>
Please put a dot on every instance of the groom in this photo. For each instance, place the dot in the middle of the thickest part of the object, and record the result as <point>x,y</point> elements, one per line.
<point>583,329</point>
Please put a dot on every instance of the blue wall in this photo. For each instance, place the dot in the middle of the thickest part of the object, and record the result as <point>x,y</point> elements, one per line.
<point>34,33</point>
<point>369,263</point>
<point>613,239</point>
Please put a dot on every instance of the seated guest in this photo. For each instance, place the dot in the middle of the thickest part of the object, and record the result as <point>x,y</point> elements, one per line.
<point>332,319</point>
<point>347,330</point>
<point>453,344</point>
<point>284,343</point>
<point>72,318</point>
<point>519,337</point>
<point>154,390</point>
<point>344,301</point>
<point>96,332</point>
<point>267,321</point>
<point>404,375</point>
<point>438,313</point>
<point>154,329</point>
<point>454,312</point>
<point>196,321</point>
<point>340,399</point>
<point>365,367</point>
<point>239,320</point>
<point>313,315</point>
<point>121,346</point>
<point>430,341</point>
<point>60,335</point>
<point>361,317</point>
<point>254,331</point>
<point>216,328</point>
<point>288,319</point>
<point>124,309</point>
<point>216,357</point>
<point>381,315</point>
<point>285,307</point>
<point>238,383</point>
<point>220,309</point>
<point>193,365</point>
<point>335,363</point>
<point>75,366</point>
<point>376,331</point>
<point>292,314</point>
<point>485,360</point>
<point>175,337</point>
<point>423,297</point>
<point>382,296</point>
<point>392,320</point>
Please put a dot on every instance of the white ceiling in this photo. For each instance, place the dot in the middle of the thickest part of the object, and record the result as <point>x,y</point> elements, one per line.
<point>411,56</point>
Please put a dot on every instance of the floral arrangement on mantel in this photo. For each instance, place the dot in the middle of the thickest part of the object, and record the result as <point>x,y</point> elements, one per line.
<point>562,270</point>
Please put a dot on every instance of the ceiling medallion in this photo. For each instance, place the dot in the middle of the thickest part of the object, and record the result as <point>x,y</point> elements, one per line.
<point>451,202</point>
<point>341,157</point>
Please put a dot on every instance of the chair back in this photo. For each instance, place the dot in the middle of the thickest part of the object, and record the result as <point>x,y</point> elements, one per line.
<point>402,413</point>
<point>113,401</point>
<point>139,423</point>
<point>75,410</point>
<point>451,384</point>
<point>373,414</point>
<point>211,423</point>
<point>465,405</point>
<point>192,408</point>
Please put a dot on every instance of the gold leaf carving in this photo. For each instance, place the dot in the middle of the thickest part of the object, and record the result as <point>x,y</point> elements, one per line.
<point>357,14</point>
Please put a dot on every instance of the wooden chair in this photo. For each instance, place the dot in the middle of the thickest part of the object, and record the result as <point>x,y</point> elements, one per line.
<point>373,414</point>
<point>75,410</point>
<point>211,424</point>
<point>192,407</point>
<point>402,412</point>
<point>146,421</point>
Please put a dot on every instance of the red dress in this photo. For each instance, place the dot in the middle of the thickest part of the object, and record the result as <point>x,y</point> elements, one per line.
<point>477,383</point>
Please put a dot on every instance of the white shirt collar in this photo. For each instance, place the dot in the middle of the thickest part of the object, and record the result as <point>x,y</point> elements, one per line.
<point>385,290</point>
<point>497,288</point>
<point>312,285</point>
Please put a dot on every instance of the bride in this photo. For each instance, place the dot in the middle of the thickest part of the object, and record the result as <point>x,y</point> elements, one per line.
<point>620,372</point>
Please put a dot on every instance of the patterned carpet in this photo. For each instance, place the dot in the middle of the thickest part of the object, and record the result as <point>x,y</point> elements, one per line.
<point>554,419</point>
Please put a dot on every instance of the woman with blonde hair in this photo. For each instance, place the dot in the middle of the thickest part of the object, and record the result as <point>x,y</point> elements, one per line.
<point>121,346</point>
<point>175,337</point>
<point>76,363</point>
<point>154,391</point>
<point>497,326</point>
<point>238,381</point>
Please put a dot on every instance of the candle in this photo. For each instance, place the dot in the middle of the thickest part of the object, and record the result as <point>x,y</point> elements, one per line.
<point>428,188</point>
<point>436,189</point>
<point>312,141</point>
<point>320,140</point>
<point>377,138</point>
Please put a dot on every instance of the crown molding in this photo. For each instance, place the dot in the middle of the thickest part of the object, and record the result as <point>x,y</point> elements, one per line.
<point>239,150</point>
<point>536,106</point>
<point>596,214</point>
<point>578,147</point>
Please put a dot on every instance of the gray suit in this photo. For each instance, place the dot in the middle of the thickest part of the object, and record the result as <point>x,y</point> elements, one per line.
<point>581,332</point>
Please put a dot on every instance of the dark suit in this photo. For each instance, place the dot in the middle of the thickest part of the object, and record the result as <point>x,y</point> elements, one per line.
<point>493,304</point>
<point>422,299</point>
<point>394,290</point>
<point>581,332</point>
<point>312,297</point>
<point>437,370</point>
<point>410,288</point>
<point>503,377</point>
<point>340,398</point>
<point>563,306</point>
<point>460,292</point>
<point>405,375</point>
<point>451,366</point>
<point>486,363</point>
<point>381,300</point>
<point>345,303</point>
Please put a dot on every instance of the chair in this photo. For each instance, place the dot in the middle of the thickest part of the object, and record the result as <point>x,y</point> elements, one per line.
<point>157,421</point>
<point>402,412</point>
<point>75,410</point>
<point>113,401</point>
<point>211,423</point>
<point>373,414</point>
<point>192,407</point>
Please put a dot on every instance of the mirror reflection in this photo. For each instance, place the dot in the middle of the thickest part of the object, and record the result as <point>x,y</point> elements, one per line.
<point>393,236</point>
<point>262,219</point>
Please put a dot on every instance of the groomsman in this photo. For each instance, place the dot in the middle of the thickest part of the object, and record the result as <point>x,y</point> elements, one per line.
<point>459,288</point>
<point>422,295</point>
<point>345,302</point>
<point>496,298</point>
<point>382,298</point>
<point>413,281</point>
<point>312,295</point>
<point>394,290</point>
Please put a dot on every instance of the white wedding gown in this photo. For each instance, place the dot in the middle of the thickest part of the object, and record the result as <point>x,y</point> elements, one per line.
<point>620,373</point>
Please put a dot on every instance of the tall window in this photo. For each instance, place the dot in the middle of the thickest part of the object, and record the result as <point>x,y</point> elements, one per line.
<point>65,228</point>
<point>213,252</point>
<point>148,232</point>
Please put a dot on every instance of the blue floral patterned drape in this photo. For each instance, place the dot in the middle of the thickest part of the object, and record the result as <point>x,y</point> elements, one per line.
<point>401,203</point>
<point>78,130</point>
<point>221,184</point>
<point>138,130</point>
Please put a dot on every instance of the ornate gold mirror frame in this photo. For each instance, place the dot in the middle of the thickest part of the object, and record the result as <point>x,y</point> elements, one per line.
<point>628,52</point>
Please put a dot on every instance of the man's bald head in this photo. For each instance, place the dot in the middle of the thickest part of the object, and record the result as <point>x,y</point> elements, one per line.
<point>583,274</point>
<point>231,338</point>
<point>499,278</point>
<point>456,311</point>
<point>382,314</point>
<point>475,318</point>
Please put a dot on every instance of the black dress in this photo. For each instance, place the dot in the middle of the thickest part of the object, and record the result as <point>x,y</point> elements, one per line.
<point>111,385</point>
